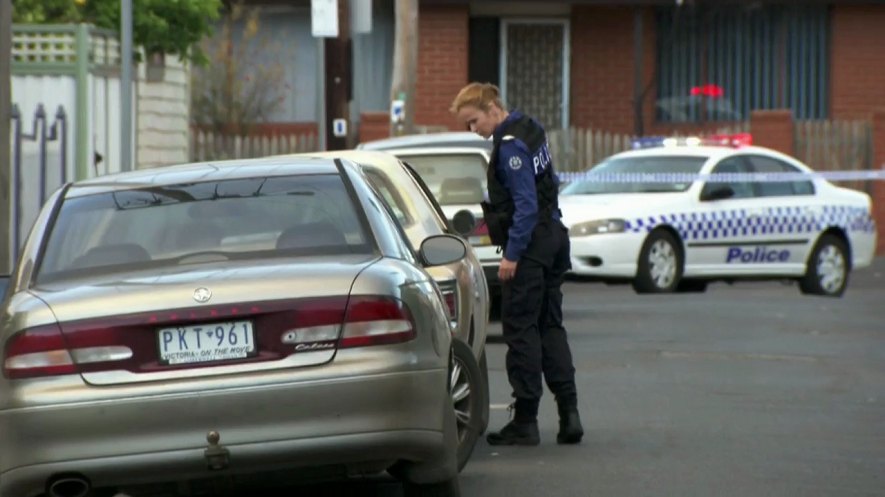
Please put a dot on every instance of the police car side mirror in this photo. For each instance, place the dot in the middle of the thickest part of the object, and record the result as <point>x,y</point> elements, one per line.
<point>464,221</point>
<point>717,192</point>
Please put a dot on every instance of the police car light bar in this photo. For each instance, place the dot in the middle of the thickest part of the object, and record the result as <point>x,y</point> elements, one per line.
<point>728,140</point>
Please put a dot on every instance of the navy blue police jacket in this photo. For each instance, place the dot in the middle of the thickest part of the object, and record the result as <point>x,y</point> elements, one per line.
<point>517,169</point>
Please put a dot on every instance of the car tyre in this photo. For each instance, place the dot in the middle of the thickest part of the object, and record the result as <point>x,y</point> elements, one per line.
<point>484,371</point>
<point>827,269</point>
<point>449,488</point>
<point>469,393</point>
<point>659,268</point>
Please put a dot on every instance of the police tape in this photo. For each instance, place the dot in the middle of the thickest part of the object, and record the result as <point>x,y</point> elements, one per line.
<point>600,177</point>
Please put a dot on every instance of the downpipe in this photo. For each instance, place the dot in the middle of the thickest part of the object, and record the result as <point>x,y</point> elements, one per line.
<point>68,486</point>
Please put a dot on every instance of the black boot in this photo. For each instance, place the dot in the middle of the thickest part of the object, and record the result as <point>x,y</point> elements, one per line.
<point>516,433</point>
<point>570,429</point>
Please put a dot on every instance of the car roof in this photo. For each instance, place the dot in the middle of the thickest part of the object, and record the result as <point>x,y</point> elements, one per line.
<point>202,171</point>
<point>709,152</point>
<point>373,157</point>
<point>444,139</point>
<point>433,151</point>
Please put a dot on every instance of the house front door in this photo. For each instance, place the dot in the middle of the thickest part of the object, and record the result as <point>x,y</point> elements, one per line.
<point>534,69</point>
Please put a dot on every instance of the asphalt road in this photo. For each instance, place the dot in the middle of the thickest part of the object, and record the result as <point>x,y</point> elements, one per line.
<point>745,390</point>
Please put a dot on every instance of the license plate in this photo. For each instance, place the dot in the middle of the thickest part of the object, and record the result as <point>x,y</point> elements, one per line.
<point>206,342</point>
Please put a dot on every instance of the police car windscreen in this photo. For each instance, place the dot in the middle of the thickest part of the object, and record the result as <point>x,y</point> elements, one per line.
<point>453,178</point>
<point>614,175</point>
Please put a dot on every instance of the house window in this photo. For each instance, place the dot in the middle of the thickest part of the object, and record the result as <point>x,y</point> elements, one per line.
<point>717,63</point>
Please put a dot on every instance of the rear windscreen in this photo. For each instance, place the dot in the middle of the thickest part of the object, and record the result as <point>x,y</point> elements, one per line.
<point>206,221</point>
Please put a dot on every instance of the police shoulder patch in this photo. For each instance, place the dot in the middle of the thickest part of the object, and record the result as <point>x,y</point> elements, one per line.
<point>515,162</point>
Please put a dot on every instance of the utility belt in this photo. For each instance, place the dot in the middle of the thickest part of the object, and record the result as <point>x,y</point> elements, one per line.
<point>499,223</point>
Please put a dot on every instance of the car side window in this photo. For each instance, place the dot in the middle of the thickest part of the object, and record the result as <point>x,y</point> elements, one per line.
<point>731,165</point>
<point>763,164</point>
<point>429,196</point>
<point>391,196</point>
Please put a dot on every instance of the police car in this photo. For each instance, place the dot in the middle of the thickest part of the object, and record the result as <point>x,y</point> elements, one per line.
<point>673,214</point>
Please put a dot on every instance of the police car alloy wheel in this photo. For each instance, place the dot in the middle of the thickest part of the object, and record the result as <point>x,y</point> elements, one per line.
<point>827,272</point>
<point>660,264</point>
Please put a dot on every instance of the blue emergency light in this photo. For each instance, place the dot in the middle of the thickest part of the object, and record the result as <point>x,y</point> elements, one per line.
<point>726,140</point>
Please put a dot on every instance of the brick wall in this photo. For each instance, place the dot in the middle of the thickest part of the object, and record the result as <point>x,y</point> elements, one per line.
<point>443,35</point>
<point>602,68</point>
<point>879,186</point>
<point>374,126</point>
<point>856,62</point>
<point>773,129</point>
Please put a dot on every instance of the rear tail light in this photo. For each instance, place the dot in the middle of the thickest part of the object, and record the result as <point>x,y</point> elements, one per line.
<point>366,321</point>
<point>376,321</point>
<point>479,237</point>
<point>45,351</point>
<point>449,290</point>
<point>35,352</point>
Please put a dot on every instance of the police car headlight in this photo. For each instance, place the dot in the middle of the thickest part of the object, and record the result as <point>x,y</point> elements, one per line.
<point>598,227</point>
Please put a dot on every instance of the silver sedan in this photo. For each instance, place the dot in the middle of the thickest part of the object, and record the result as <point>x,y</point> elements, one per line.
<point>166,329</point>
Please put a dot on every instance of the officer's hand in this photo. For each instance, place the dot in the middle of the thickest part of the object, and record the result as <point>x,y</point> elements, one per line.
<point>507,270</point>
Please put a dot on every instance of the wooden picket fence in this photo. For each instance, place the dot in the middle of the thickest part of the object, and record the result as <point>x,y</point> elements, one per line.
<point>836,146</point>
<point>578,149</point>
<point>207,145</point>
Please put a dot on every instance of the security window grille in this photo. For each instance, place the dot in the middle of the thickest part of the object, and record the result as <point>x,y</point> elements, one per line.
<point>717,63</point>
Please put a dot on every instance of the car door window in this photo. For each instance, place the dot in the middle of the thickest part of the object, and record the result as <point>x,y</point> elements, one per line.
<point>763,164</point>
<point>444,222</point>
<point>731,165</point>
<point>453,179</point>
<point>392,198</point>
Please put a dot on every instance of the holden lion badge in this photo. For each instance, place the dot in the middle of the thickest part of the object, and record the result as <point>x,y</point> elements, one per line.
<point>202,294</point>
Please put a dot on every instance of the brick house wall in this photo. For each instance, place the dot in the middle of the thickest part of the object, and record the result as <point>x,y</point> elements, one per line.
<point>857,71</point>
<point>602,68</point>
<point>443,37</point>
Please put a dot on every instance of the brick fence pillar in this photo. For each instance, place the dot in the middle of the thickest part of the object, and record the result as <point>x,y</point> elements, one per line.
<point>374,126</point>
<point>879,185</point>
<point>773,129</point>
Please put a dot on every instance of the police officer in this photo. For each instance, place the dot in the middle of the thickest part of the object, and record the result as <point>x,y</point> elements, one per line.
<point>523,218</point>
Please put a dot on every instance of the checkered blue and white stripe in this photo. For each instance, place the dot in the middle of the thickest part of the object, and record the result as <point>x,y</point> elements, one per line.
<point>738,223</point>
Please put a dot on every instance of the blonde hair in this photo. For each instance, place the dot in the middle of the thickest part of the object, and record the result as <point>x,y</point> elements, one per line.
<point>483,96</point>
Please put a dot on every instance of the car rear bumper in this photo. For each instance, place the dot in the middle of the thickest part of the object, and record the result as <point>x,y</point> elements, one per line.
<point>358,424</point>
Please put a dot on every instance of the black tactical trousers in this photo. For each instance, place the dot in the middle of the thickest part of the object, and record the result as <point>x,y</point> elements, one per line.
<point>531,317</point>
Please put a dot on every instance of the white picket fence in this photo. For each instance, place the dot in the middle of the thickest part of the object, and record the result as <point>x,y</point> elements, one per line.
<point>206,145</point>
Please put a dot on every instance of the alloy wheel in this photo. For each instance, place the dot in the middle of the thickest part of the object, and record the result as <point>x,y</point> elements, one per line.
<point>831,268</point>
<point>662,263</point>
<point>461,397</point>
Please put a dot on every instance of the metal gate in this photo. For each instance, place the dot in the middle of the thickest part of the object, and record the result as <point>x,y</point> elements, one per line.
<point>39,167</point>
<point>534,69</point>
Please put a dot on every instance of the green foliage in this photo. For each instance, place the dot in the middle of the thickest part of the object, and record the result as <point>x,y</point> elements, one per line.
<point>244,81</point>
<point>167,26</point>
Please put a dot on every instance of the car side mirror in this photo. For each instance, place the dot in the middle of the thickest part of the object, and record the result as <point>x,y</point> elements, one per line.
<point>717,192</point>
<point>439,250</point>
<point>464,222</point>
